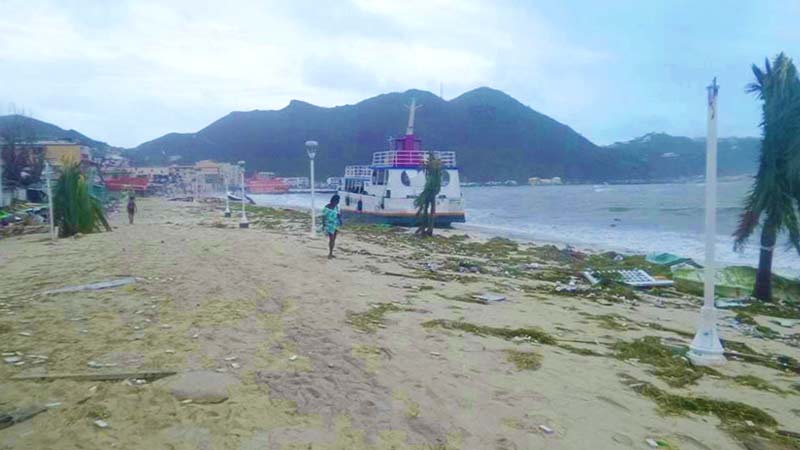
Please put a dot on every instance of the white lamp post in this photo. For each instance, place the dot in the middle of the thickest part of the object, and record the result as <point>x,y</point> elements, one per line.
<point>227,202</point>
<point>243,223</point>
<point>196,185</point>
<point>311,149</point>
<point>706,349</point>
<point>48,174</point>
<point>2,196</point>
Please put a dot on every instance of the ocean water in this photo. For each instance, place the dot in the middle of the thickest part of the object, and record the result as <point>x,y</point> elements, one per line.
<point>625,218</point>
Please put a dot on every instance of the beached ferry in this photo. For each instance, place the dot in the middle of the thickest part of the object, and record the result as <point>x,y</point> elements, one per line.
<point>384,191</point>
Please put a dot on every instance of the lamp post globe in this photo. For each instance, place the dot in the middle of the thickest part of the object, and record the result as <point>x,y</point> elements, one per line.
<point>311,150</point>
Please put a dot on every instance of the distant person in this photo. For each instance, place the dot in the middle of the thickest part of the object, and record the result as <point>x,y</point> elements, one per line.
<point>131,208</point>
<point>331,222</point>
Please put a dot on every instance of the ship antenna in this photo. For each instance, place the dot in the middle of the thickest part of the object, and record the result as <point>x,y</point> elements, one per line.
<point>412,110</point>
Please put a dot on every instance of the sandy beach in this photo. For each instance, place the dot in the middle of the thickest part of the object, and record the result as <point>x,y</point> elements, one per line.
<point>384,347</point>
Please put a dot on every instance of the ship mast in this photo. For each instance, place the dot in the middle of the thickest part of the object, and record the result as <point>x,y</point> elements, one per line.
<point>412,110</point>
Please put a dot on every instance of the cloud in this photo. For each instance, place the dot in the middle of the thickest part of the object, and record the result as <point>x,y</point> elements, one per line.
<point>129,71</point>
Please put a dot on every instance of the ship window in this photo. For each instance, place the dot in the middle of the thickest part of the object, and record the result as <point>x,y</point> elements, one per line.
<point>379,177</point>
<point>445,178</point>
<point>404,179</point>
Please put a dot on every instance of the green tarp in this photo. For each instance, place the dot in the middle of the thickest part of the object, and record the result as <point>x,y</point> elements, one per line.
<point>665,259</point>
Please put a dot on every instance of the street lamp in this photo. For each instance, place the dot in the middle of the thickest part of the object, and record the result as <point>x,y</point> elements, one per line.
<point>2,197</point>
<point>227,201</point>
<point>48,175</point>
<point>311,149</point>
<point>243,223</point>
<point>706,349</point>
<point>196,197</point>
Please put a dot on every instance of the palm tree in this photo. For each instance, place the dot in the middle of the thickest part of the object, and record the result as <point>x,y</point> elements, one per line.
<point>75,209</point>
<point>426,200</point>
<point>774,198</point>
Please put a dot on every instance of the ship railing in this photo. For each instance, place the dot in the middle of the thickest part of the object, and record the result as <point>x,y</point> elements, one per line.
<point>364,172</point>
<point>410,158</point>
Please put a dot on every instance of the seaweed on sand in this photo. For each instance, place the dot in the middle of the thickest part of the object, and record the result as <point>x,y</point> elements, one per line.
<point>524,360</point>
<point>373,318</point>
<point>736,417</point>
<point>534,334</point>
<point>669,365</point>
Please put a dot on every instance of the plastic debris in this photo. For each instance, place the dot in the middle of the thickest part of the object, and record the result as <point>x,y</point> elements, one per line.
<point>490,297</point>
<point>97,365</point>
<point>632,277</point>
<point>93,286</point>
<point>731,303</point>
<point>651,442</point>
<point>786,323</point>
<point>12,359</point>
<point>546,429</point>
<point>101,423</point>
<point>293,357</point>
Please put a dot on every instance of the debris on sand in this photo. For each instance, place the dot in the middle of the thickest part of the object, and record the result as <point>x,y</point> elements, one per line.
<point>490,297</point>
<point>19,415</point>
<point>108,284</point>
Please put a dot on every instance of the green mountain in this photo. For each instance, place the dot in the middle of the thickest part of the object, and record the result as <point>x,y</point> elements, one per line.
<point>496,137</point>
<point>42,131</point>
<point>659,156</point>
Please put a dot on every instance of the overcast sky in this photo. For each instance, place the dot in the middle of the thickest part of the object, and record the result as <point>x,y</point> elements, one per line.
<point>126,72</point>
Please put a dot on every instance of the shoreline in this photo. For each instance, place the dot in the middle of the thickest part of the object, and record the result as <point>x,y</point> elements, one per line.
<point>486,232</point>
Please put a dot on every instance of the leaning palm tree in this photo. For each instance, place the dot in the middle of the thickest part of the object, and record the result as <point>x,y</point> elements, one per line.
<point>426,200</point>
<point>75,209</point>
<point>773,200</point>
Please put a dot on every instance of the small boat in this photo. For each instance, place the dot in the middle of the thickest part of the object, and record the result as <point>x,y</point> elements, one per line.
<point>385,191</point>
<point>238,198</point>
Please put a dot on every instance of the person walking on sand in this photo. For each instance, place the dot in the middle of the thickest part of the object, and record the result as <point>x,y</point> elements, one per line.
<point>331,222</point>
<point>131,208</point>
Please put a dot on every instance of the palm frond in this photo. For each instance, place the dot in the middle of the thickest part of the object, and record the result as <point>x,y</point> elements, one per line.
<point>792,227</point>
<point>75,210</point>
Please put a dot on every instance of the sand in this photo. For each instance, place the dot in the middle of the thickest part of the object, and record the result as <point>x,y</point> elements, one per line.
<point>267,307</point>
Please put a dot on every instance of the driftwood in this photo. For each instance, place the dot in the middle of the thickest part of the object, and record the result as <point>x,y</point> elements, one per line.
<point>787,433</point>
<point>109,376</point>
<point>108,284</point>
<point>15,417</point>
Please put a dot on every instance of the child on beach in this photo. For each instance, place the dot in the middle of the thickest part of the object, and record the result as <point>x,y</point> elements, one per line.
<point>331,222</point>
<point>131,208</point>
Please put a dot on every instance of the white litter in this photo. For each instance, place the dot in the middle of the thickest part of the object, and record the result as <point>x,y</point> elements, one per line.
<point>634,277</point>
<point>490,297</point>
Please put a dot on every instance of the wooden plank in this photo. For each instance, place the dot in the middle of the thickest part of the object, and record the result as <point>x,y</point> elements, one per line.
<point>108,376</point>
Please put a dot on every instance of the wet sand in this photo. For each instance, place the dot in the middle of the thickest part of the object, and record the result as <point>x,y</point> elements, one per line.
<point>333,354</point>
